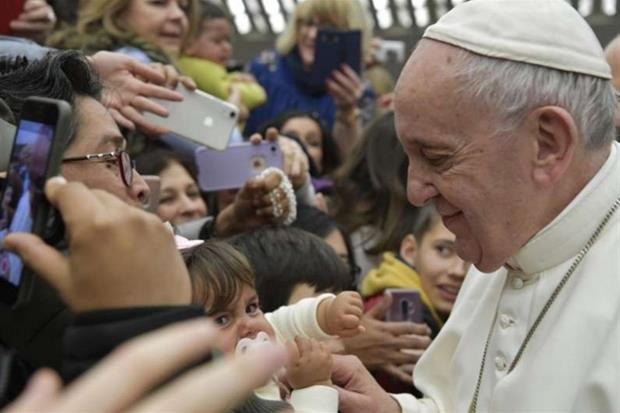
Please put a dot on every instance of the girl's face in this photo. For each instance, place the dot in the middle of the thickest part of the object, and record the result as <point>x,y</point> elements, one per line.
<point>180,200</point>
<point>309,132</point>
<point>161,22</point>
<point>214,42</point>
<point>441,270</point>
<point>243,318</point>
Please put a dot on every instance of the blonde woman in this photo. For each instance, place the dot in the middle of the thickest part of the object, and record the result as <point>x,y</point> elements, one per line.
<point>283,73</point>
<point>151,31</point>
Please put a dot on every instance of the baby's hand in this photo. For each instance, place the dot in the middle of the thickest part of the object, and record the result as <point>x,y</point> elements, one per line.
<point>310,363</point>
<point>341,315</point>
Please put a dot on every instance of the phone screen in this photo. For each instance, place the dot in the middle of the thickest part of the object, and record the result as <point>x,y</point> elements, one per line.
<point>23,190</point>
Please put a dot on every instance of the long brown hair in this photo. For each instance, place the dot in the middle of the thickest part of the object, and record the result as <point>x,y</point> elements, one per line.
<point>370,188</point>
<point>100,22</point>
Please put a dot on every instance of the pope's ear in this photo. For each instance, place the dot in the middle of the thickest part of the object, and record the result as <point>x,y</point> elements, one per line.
<point>555,139</point>
<point>408,249</point>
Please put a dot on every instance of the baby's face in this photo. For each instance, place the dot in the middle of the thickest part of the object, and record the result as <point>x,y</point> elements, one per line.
<point>242,319</point>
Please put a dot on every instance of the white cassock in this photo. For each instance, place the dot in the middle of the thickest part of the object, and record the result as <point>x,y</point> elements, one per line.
<point>572,363</point>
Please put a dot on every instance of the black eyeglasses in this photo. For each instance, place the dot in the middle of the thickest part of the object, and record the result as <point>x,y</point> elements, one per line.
<point>121,157</point>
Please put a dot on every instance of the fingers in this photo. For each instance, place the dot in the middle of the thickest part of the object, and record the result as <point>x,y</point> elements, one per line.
<point>220,385</point>
<point>379,311</point>
<point>143,104</point>
<point>139,120</point>
<point>188,82</point>
<point>147,73</point>
<point>345,368</point>
<point>398,328</point>
<point>396,372</point>
<point>137,366</point>
<point>74,201</point>
<point>159,92</point>
<point>121,120</point>
<point>349,401</point>
<point>39,395</point>
<point>44,260</point>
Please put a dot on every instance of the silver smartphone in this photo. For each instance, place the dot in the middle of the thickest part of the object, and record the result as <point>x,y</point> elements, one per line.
<point>200,117</point>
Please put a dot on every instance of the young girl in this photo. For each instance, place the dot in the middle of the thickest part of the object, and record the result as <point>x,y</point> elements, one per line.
<point>426,262</point>
<point>223,282</point>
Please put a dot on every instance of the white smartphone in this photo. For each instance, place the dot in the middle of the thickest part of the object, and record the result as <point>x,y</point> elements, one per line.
<point>200,117</point>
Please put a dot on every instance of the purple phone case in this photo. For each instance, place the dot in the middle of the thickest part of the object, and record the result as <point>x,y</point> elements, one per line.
<point>232,167</point>
<point>406,306</point>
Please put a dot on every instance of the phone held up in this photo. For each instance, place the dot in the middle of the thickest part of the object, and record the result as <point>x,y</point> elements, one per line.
<point>35,157</point>
<point>200,117</point>
<point>406,305</point>
<point>232,167</point>
<point>333,48</point>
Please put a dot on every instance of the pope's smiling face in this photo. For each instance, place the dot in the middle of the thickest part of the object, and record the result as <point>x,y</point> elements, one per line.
<point>479,182</point>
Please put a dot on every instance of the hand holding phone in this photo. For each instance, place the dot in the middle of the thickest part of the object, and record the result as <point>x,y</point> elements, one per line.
<point>200,117</point>
<point>234,166</point>
<point>35,157</point>
<point>334,48</point>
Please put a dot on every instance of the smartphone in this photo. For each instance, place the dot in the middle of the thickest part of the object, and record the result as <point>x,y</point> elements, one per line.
<point>200,117</point>
<point>35,156</point>
<point>7,133</point>
<point>406,305</point>
<point>9,11</point>
<point>154,183</point>
<point>231,168</point>
<point>332,49</point>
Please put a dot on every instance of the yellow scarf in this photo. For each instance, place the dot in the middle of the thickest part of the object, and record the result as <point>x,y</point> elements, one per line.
<point>393,273</point>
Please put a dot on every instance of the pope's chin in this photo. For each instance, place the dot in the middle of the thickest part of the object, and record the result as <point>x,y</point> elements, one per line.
<point>470,250</point>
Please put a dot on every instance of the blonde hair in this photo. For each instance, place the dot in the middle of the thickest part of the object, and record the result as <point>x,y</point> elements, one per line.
<point>342,14</point>
<point>97,17</point>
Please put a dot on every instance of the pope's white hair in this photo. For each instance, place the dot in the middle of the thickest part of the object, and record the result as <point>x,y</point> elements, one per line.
<point>513,89</point>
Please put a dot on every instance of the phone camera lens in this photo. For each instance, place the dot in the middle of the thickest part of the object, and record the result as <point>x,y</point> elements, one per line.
<point>273,149</point>
<point>232,115</point>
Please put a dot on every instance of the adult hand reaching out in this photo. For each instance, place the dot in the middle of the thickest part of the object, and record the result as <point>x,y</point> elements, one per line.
<point>388,346</point>
<point>130,373</point>
<point>130,88</point>
<point>120,256</point>
<point>358,391</point>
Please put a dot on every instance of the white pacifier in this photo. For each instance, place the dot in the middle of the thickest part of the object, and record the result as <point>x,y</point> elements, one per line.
<point>248,344</point>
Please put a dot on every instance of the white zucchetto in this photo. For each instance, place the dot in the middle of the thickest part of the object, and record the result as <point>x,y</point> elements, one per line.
<point>548,33</point>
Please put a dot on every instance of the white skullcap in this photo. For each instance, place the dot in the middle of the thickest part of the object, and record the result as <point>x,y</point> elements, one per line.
<point>548,33</point>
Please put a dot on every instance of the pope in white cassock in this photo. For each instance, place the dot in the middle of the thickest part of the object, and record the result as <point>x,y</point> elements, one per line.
<point>505,110</point>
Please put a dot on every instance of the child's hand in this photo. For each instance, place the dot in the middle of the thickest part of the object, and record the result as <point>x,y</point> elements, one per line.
<point>341,315</point>
<point>310,363</point>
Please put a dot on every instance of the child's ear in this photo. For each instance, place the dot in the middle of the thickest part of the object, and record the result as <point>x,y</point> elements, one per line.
<point>408,248</point>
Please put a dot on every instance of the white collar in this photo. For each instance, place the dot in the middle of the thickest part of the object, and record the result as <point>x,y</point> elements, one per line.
<point>568,233</point>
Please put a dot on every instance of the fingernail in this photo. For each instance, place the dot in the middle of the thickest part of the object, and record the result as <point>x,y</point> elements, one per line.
<point>57,180</point>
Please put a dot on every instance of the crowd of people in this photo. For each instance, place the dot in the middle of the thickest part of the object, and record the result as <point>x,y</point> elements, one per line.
<point>447,243</point>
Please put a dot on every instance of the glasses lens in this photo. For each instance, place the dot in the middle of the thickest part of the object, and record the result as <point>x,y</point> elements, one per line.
<point>126,168</point>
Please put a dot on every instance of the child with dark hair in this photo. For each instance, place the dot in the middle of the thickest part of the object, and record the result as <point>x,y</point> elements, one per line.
<point>223,282</point>
<point>291,264</point>
<point>207,55</point>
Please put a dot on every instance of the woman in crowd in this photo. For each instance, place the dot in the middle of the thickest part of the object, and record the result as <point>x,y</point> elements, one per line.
<point>146,30</point>
<point>370,194</point>
<point>284,72</point>
<point>180,199</point>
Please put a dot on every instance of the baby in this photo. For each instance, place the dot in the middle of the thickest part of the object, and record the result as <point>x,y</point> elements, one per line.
<point>223,282</point>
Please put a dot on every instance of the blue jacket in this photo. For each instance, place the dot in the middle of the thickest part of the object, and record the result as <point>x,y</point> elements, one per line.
<point>283,93</point>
